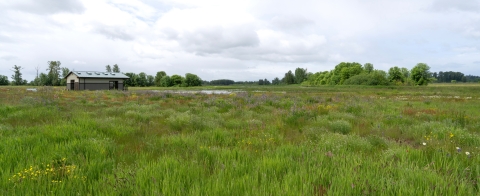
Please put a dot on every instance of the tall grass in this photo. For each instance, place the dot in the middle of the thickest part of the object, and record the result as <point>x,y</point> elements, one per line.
<point>301,141</point>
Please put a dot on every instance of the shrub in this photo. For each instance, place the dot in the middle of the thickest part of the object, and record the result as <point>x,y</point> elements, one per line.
<point>341,126</point>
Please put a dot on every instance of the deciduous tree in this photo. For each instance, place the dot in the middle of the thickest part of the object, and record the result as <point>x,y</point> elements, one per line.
<point>289,78</point>
<point>192,80</point>
<point>176,80</point>
<point>4,80</point>
<point>368,67</point>
<point>159,77</point>
<point>395,75</point>
<point>116,69</point>
<point>165,81</point>
<point>54,73</point>
<point>420,74</point>
<point>300,75</point>
<point>17,75</point>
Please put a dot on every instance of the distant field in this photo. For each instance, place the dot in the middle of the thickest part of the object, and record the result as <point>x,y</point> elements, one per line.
<point>271,140</point>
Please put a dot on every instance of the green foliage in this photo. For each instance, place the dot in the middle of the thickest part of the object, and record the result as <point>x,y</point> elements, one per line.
<point>345,70</point>
<point>377,77</point>
<point>150,80</point>
<point>328,140</point>
<point>395,75</point>
<point>300,75</point>
<point>447,76</point>
<point>176,80</point>
<point>132,81</point>
<point>222,82</point>
<point>159,77</point>
<point>4,80</point>
<point>116,69</point>
<point>341,126</point>
<point>53,73</point>
<point>289,78</point>
<point>276,81</point>
<point>166,81</point>
<point>141,79</point>
<point>192,80</point>
<point>368,67</point>
<point>420,74</point>
<point>17,75</point>
<point>108,68</point>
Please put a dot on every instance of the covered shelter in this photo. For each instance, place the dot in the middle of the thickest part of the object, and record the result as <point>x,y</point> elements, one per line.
<point>94,80</point>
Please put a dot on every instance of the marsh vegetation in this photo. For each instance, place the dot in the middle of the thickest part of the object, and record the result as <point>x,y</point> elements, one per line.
<point>340,140</point>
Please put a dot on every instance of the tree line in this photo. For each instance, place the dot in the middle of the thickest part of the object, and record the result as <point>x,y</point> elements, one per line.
<point>345,73</point>
<point>352,73</point>
<point>51,78</point>
<point>161,79</point>
<point>56,74</point>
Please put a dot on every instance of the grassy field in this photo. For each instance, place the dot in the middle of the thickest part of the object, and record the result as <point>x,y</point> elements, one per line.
<point>286,140</point>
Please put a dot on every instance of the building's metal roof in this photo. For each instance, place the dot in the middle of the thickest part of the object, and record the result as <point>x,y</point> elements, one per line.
<point>98,74</point>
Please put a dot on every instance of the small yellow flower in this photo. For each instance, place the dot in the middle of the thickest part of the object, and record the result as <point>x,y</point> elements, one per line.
<point>451,135</point>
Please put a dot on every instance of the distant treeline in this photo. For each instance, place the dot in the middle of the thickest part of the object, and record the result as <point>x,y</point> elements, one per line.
<point>450,76</point>
<point>162,79</point>
<point>352,73</point>
<point>345,73</point>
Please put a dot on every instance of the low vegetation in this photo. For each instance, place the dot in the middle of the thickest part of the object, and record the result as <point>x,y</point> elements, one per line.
<point>280,140</point>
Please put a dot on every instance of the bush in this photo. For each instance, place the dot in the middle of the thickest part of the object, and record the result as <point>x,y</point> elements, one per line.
<point>373,79</point>
<point>341,126</point>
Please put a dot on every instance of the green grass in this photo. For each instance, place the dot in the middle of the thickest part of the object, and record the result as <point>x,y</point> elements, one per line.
<point>277,140</point>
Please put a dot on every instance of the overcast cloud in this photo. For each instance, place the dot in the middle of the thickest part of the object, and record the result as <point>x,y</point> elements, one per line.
<point>239,40</point>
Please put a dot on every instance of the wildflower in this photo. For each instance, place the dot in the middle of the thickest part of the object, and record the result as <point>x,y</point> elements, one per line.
<point>424,143</point>
<point>459,149</point>
<point>467,153</point>
<point>451,135</point>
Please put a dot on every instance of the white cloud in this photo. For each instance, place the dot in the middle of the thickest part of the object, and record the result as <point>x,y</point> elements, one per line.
<point>240,40</point>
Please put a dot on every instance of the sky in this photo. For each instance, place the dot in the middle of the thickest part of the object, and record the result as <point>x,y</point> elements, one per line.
<point>244,40</point>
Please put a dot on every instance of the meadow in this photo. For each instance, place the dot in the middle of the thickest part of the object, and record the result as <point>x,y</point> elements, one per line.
<point>283,140</point>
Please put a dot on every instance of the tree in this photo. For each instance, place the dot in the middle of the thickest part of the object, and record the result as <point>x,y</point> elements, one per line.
<point>165,81</point>
<point>65,72</point>
<point>266,82</point>
<point>17,75</point>
<point>159,77</point>
<point>108,68</point>
<point>343,71</point>
<point>132,81</point>
<point>276,81</point>
<point>43,79</point>
<point>368,67</point>
<point>192,80</point>
<point>54,73</point>
<point>141,79</point>
<point>4,80</point>
<point>150,80</point>
<point>116,69</point>
<point>176,80</point>
<point>300,75</point>
<point>405,72</point>
<point>289,78</point>
<point>260,82</point>
<point>222,82</point>
<point>395,75</point>
<point>420,74</point>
